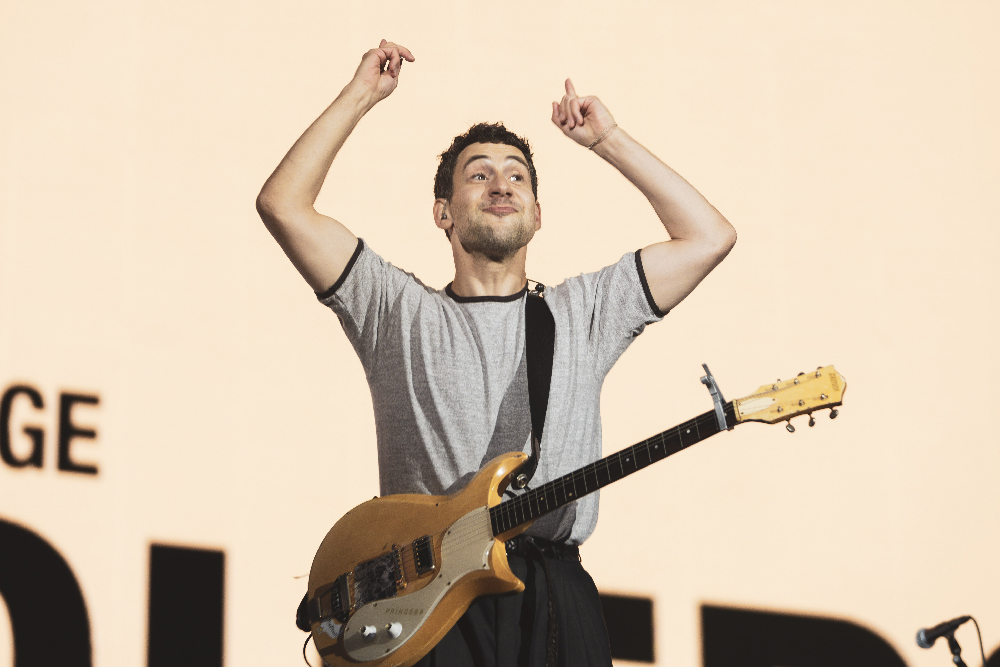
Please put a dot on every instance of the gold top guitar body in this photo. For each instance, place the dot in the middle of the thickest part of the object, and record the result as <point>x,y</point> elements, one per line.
<point>395,573</point>
<point>429,584</point>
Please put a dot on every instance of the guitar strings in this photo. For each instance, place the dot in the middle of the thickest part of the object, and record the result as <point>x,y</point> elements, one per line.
<point>507,515</point>
<point>511,513</point>
<point>522,504</point>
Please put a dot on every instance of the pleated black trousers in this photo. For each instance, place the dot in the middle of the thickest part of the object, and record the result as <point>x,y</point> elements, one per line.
<point>512,630</point>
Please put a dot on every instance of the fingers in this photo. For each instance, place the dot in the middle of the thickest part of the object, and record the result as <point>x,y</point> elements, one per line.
<point>405,52</point>
<point>574,106</point>
<point>391,57</point>
<point>557,117</point>
<point>569,111</point>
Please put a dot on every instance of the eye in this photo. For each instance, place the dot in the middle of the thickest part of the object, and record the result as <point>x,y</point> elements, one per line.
<point>517,177</point>
<point>479,176</point>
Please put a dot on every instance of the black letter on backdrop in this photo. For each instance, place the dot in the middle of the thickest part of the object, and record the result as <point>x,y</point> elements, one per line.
<point>734,637</point>
<point>186,588</point>
<point>36,434</point>
<point>47,614</point>
<point>630,627</point>
<point>68,430</point>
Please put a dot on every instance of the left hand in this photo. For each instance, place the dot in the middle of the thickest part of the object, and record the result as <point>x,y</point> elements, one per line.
<point>582,119</point>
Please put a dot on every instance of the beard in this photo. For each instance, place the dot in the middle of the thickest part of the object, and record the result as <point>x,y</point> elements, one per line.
<point>497,245</point>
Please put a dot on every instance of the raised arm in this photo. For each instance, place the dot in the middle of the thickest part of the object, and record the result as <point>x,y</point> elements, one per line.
<point>700,237</point>
<point>319,246</point>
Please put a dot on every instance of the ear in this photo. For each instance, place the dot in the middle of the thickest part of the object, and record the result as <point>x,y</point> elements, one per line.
<point>538,216</point>
<point>441,217</point>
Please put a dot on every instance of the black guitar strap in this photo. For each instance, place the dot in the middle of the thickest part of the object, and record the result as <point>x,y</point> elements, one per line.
<point>539,344</point>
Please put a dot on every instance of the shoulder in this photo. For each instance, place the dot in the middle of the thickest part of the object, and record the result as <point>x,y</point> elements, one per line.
<point>621,282</point>
<point>367,274</point>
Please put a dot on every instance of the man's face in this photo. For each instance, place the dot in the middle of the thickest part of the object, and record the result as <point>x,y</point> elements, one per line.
<point>493,210</point>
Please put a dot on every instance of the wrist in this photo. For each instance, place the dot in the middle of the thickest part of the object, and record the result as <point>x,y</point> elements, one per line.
<point>357,98</point>
<point>610,145</point>
<point>604,135</point>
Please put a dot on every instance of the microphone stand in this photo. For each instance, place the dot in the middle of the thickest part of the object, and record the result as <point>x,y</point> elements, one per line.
<point>956,650</point>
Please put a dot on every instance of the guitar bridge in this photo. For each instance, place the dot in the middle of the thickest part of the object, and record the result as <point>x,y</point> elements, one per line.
<point>334,602</point>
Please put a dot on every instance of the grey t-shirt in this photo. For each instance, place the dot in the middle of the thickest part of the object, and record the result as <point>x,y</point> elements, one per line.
<point>448,377</point>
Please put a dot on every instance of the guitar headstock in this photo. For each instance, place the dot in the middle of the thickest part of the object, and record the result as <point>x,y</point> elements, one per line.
<point>785,399</point>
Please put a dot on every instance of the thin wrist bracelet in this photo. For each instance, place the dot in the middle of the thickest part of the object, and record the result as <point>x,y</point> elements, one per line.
<point>601,138</point>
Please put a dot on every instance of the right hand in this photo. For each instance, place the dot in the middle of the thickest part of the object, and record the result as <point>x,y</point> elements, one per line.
<point>378,73</point>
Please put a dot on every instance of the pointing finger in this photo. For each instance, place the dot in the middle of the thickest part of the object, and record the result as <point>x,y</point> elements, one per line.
<point>570,90</point>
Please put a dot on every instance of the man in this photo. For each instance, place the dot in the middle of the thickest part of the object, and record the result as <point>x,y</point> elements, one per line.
<point>447,367</point>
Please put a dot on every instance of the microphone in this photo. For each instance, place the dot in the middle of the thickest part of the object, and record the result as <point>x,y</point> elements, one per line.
<point>927,637</point>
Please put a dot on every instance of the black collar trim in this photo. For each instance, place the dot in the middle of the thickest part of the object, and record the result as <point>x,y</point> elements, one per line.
<point>485,299</point>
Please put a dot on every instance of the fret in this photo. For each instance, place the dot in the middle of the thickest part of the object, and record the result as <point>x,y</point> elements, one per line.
<point>534,509</point>
<point>519,511</point>
<point>531,505</point>
<point>554,494</point>
<point>672,442</point>
<point>549,494</point>
<point>601,471</point>
<point>627,459</point>
<point>687,435</point>
<point>642,455</point>
<point>615,472</point>
<point>657,450</point>
<point>501,525</point>
<point>560,492</point>
<point>571,493</point>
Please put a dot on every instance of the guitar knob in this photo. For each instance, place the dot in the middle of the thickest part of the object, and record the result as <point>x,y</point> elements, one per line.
<point>791,429</point>
<point>368,632</point>
<point>812,420</point>
<point>394,629</point>
<point>834,413</point>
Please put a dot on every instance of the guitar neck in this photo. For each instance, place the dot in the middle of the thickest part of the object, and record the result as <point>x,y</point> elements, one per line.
<point>568,488</point>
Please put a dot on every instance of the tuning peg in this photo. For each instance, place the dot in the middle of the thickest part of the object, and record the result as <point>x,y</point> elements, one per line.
<point>812,420</point>
<point>789,427</point>
<point>834,413</point>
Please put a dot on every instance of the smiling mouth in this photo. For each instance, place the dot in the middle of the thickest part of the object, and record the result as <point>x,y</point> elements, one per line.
<point>501,210</point>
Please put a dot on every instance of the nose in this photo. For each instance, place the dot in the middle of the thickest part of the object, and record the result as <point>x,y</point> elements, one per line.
<point>500,185</point>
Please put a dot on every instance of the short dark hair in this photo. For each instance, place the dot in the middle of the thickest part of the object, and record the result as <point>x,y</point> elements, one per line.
<point>480,133</point>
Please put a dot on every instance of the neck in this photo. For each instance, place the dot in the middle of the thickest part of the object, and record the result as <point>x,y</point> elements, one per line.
<point>476,275</point>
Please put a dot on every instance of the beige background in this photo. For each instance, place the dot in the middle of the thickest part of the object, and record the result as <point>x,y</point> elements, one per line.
<point>853,145</point>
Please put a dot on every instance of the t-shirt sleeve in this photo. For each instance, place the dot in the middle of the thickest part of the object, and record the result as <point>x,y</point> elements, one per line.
<point>617,304</point>
<point>362,296</point>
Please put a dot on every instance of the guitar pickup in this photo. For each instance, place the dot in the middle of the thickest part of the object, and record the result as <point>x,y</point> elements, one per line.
<point>423,555</point>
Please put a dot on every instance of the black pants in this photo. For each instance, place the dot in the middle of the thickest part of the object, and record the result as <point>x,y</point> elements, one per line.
<point>511,630</point>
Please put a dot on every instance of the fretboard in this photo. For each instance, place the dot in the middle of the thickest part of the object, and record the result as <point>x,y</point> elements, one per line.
<point>559,492</point>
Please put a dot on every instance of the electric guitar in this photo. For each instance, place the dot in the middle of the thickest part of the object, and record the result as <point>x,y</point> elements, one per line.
<point>395,573</point>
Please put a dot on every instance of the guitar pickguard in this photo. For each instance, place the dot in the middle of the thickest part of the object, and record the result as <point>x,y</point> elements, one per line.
<point>465,548</point>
